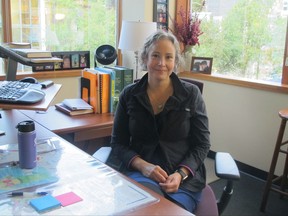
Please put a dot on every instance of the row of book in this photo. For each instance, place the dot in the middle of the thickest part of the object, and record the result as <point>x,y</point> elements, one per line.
<point>101,86</point>
<point>35,55</point>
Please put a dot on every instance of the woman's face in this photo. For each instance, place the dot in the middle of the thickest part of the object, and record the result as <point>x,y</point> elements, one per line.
<point>161,59</point>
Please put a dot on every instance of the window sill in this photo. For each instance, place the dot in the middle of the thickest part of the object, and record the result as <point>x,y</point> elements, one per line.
<point>48,74</point>
<point>266,86</point>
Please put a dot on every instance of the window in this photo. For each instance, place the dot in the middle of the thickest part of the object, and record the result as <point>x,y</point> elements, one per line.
<point>245,38</point>
<point>64,25</point>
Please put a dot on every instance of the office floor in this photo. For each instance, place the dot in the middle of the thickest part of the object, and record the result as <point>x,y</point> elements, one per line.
<point>247,197</point>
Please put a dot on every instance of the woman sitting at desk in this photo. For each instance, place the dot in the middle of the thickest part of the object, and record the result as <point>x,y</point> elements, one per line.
<point>160,130</point>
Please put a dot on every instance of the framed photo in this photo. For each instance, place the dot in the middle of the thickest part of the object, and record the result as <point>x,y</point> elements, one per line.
<point>201,65</point>
<point>71,60</point>
<point>160,14</point>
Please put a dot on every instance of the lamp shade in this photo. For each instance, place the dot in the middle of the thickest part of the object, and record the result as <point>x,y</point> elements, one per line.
<point>133,34</point>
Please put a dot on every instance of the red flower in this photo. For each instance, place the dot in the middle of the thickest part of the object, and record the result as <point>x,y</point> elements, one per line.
<point>188,31</point>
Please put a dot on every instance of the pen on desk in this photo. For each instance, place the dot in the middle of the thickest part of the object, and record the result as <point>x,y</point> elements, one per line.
<point>27,194</point>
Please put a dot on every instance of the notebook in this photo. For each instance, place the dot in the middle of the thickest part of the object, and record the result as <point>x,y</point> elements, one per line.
<point>76,104</point>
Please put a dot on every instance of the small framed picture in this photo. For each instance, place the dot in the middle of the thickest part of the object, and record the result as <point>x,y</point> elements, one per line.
<point>75,60</point>
<point>160,14</point>
<point>66,61</point>
<point>201,65</point>
<point>71,60</point>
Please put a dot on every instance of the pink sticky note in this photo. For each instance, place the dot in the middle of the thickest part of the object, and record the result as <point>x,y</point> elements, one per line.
<point>68,198</point>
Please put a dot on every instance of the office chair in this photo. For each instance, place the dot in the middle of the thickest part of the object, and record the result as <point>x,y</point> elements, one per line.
<point>225,169</point>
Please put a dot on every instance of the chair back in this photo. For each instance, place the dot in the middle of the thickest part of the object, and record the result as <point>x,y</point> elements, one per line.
<point>199,84</point>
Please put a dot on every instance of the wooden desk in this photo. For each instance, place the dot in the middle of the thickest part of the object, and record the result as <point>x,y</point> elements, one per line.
<point>50,93</point>
<point>80,173</point>
<point>84,127</point>
<point>8,121</point>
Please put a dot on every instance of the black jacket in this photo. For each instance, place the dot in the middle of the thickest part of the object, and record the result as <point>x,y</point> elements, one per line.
<point>178,136</point>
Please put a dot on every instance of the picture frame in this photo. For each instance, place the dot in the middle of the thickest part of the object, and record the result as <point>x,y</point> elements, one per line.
<point>201,65</point>
<point>71,60</point>
<point>160,14</point>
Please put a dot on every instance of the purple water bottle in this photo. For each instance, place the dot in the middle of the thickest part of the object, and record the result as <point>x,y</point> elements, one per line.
<point>26,144</point>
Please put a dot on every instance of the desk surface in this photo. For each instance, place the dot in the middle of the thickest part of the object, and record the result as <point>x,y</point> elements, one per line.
<point>60,123</point>
<point>50,92</point>
<point>8,122</point>
<point>85,127</point>
<point>96,183</point>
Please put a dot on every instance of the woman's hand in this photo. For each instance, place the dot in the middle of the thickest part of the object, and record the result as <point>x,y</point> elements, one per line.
<point>155,172</point>
<point>172,183</point>
<point>149,170</point>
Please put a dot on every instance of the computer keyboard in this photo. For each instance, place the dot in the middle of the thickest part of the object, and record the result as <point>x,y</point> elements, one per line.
<point>20,92</point>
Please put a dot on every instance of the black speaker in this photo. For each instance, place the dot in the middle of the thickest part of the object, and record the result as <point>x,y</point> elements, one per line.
<point>105,55</point>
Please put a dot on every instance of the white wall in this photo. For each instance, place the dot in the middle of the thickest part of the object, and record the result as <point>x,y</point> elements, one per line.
<point>70,88</point>
<point>243,121</point>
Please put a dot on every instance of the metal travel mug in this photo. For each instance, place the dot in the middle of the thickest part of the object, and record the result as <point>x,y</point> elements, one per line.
<point>27,144</point>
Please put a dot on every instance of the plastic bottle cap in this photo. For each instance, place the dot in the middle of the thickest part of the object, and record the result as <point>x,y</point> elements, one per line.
<point>26,126</point>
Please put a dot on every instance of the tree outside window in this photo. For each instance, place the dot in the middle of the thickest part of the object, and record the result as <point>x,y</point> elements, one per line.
<point>245,38</point>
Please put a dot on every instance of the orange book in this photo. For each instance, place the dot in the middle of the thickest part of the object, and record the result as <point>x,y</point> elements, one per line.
<point>90,88</point>
<point>104,91</point>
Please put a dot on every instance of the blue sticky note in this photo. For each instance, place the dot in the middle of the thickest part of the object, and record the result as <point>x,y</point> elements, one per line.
<point>45,203</point>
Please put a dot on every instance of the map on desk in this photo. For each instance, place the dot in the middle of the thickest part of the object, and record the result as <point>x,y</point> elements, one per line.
<point>12,177</point>
<point>15,178</point>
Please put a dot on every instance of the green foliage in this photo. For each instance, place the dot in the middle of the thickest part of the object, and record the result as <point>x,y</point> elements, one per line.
<point>245,43</point>
<point>87,25</point>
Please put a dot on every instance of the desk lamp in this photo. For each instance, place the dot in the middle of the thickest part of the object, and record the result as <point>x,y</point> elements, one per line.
<point>133,35</point>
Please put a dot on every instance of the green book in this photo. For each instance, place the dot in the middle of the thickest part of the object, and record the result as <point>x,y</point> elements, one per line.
<point>118,80</point>
<point>123,77</point>
<point>127,75</point>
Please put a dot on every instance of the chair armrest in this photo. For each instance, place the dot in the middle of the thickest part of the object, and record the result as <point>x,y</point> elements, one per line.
<point>225,166</point>
<point>102,154</point>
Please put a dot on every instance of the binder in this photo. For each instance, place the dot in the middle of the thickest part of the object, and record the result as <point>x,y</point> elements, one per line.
<point>104,86</point>
<point>112,98</point>
<point>90,88</point>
